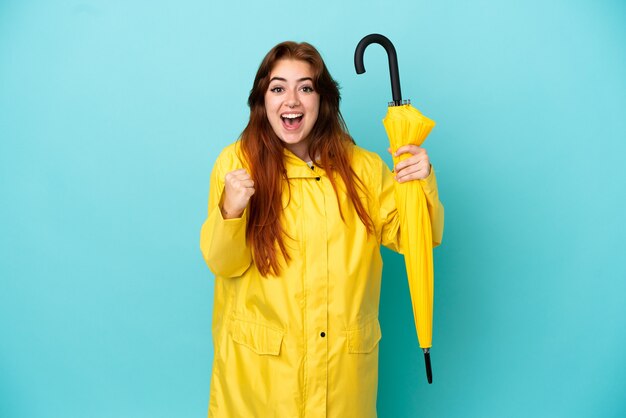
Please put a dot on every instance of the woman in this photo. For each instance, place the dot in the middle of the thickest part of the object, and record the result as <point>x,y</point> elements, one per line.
<point>297,214</point>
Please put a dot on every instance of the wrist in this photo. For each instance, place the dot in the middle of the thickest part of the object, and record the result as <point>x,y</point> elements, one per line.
<point>228,213</point>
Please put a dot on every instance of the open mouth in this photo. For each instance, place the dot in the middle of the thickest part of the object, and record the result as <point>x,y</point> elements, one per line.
<point>292,121</point>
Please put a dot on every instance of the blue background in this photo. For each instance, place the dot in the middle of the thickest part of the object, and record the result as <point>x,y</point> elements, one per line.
<point>112,113</point>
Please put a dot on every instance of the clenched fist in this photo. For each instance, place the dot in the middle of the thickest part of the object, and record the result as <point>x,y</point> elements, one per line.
<point>238,188</point>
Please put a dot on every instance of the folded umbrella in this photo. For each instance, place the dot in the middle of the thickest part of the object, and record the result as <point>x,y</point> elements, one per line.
<point>406,125</point>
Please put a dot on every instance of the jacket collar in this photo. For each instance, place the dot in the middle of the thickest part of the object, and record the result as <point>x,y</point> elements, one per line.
<point>296,168</point>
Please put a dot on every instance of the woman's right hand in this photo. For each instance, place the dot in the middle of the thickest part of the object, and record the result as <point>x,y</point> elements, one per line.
<point>238,189</point>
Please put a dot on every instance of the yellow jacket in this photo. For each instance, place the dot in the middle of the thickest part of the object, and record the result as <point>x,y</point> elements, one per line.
<point>304,344</point>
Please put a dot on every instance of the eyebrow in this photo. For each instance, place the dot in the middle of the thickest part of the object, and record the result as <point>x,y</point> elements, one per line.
<point>285,80</point>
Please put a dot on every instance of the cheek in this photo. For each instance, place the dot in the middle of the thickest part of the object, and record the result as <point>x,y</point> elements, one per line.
<point>270,105</point>
<point>270,111</point>
<point>316,116</point>
<point>314,109</point>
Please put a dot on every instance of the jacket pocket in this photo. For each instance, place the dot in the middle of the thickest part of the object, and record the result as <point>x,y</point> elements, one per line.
<point>364,338</point>
<point>259,338</point>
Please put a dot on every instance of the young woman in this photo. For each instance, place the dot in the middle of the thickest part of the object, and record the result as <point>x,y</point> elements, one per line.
<point>297,215</point>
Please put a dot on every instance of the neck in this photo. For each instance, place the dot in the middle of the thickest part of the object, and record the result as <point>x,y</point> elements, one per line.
<point>299,150</point>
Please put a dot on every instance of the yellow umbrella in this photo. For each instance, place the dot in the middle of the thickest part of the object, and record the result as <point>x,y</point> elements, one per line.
<point>406,125</point>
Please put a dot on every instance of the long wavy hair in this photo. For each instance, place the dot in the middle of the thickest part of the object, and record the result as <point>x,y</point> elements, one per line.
<point>329,144</point>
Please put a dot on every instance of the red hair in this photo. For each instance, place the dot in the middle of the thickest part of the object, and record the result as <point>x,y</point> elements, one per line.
<point>328,140</point>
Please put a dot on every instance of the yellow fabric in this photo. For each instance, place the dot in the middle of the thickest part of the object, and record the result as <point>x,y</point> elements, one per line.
<point>270,359</point>
<point>406,125</point>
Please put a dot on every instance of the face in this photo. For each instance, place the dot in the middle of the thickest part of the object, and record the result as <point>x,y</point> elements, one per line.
<point>292,104</point>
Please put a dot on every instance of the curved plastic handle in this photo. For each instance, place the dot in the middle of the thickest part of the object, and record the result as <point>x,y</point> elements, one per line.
<point>376,38</point>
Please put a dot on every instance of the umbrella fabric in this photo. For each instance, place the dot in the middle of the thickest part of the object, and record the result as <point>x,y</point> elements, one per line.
<point>406,125</point>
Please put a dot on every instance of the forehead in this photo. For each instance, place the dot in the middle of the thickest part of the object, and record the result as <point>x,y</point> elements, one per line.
<point>291,69</point>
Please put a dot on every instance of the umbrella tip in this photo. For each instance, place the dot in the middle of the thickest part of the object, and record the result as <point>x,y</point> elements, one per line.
<point>429,370</point>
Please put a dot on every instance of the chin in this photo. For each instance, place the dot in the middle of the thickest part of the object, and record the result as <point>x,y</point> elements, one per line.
<point>291,141</point>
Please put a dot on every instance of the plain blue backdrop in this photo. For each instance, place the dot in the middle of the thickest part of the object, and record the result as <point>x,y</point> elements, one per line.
<point>112,113</point>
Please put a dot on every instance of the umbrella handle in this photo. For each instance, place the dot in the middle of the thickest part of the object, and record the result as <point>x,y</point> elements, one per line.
<point>375,38</point>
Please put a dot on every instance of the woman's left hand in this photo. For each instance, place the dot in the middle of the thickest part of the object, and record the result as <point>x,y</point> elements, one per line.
<point>415,167</point>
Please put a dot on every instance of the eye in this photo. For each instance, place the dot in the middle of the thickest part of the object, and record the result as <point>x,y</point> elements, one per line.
<point>307,89</point>
<point>277,89</point>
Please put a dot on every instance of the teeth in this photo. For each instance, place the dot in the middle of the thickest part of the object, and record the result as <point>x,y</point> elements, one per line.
<point>292,115</point>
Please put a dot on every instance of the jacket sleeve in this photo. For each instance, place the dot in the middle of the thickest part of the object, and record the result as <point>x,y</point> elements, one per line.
<point>390,230</point>
<point>390,234</point>
<point>223,241</point>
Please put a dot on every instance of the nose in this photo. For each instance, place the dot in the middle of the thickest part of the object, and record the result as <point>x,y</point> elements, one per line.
<point>292,99</point>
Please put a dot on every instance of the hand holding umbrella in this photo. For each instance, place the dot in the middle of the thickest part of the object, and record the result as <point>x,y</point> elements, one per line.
<point>406,125</point>
<point>415,167</point>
